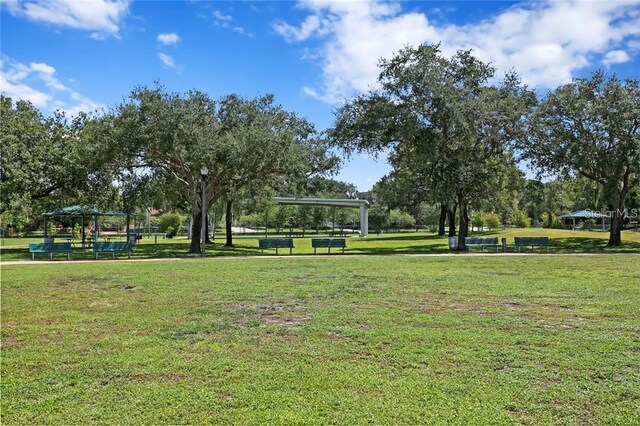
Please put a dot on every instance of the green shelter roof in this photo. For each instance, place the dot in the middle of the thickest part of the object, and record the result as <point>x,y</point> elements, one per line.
<point>80,211</point>
<point>582,214</point>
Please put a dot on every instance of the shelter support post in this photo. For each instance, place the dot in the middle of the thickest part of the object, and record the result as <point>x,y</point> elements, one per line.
<point>128,227</point>
<point>364,221</point>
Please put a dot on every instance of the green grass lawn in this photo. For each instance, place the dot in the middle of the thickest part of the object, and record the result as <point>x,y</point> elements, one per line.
<point>562,241</point>
<point>343,340</point>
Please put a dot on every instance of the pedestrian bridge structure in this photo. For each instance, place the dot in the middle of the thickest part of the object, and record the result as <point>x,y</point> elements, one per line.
<point>363,205</point>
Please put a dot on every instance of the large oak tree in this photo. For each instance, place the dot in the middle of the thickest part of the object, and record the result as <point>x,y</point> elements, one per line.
<point>49,161</point>
<point>444,121</point>
<point>240,141</point>
<point>591,127</point>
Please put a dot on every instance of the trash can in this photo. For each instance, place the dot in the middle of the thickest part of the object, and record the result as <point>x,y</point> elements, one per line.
<point>453,243</point>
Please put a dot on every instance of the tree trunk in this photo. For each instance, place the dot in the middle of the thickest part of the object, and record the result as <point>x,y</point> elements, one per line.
<point>615,233</point>
<point>442,222</point>
<point>195,232</point>
<point>617,219</point>
<point>464,223</point>
<point>229,221</point>
<point>206,231</point>
<point>451,214</point>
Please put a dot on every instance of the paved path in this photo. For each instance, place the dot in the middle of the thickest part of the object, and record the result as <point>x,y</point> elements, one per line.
<point>297,256</point>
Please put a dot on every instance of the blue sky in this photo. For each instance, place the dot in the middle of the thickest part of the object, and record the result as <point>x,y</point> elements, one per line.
<point>82,55</point>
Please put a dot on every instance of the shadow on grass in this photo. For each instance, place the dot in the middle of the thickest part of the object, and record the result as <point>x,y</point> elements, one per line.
<point>591,245</point>
<point>432,244</point>
<point>181,250</point>
<point>417,249</point>
<point>418,237</point>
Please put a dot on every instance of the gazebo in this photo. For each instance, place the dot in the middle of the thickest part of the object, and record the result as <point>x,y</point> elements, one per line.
<point>569,219</point>
<point>83,212</point>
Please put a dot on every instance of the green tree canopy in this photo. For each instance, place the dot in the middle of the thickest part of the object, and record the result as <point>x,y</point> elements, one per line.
<point>590,127</point>
<point>240,141</point>
<point>53,161</point>
<point>447,125</point>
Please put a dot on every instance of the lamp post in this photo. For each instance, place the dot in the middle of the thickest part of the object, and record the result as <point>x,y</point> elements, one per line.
<point>203,215</point>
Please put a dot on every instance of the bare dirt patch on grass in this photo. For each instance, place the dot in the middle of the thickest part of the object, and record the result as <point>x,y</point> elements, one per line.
<point>276,314</point>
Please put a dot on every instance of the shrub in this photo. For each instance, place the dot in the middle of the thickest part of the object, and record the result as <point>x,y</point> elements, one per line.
<point>250,220</point>
<point>492,220</point>
<point>551,221</point>
<point>428,215</point>
<point>170,220</point>
<point>520,219</point>
<point>378,217</point>
<point>401,220</point>
<point>478,220</point>
<point>76,230</point>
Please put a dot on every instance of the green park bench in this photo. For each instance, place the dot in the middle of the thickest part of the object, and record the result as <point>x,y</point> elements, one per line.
<point>49,248</point>
<point>481,242</point>
<point>532,241</point>
<point>113,248</point>
<point>317,243</point>
<point>275,243</point>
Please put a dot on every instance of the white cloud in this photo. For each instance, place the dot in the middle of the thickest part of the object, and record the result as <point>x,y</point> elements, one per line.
<point>83,104</point>
<point>16,90</point>
<point>223,20</point>
<point>167,60</point>
<point>218,15</point>
<point>242,31</point>
<point>168,38</point>
<point>615,57</point>
<point>38,84</point>
<point>220,19</point>
<point>100,16</point>
<point>545,42</point>
<point>46,73</point>
<point>292,33</point>
<point>634,45</point>
<point>43,68</point>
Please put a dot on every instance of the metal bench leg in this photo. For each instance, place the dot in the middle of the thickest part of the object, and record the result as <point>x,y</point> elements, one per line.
<point>113,255</point>
<point>342,250</point>
<point>276,251</point>
<point>482,249</point>
<point>96,255</point>
<point>291,250</point>
<point>33,256</point>
<point>329,252</point>
<point>315,250</point>
<point>50,256</point>
<point>128,255</point>
<point>68,256</point>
